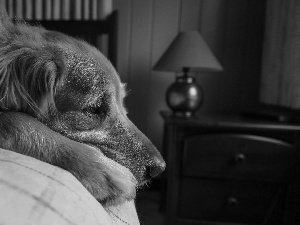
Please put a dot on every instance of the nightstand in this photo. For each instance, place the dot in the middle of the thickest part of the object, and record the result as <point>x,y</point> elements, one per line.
<point>231,170</point>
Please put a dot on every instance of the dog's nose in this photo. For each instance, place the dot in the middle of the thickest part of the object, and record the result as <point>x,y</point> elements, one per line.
<point>158,167</point>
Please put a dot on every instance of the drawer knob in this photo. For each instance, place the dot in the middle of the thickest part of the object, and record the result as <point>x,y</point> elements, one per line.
<point>232,201</point>
<point>239,157</point>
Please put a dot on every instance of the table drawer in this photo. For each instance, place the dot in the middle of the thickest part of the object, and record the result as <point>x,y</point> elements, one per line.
<point>238,156</point>
<point>229,201</point>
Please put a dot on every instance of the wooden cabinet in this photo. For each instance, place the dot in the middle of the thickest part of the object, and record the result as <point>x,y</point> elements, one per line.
<point>231,170</point>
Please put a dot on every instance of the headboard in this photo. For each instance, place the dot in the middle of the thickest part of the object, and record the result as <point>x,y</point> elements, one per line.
<point>93,21</point>
<point>89,30</point>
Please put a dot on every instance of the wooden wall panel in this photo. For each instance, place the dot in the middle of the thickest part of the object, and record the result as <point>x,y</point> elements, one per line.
<point>253,55</point>
<point>189,15</point>
<point>212,27</point>
<point>124,37</point>
<point>234,49</point>
<point>165,29</point>
<point>139,63</point>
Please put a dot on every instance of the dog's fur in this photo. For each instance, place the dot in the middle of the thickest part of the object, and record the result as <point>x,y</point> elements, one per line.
<point>61,101</point>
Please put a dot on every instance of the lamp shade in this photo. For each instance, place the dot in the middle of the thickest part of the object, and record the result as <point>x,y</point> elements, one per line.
<point>188,50</point>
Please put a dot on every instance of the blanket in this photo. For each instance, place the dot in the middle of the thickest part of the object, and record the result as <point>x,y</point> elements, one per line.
<point>36,193</point>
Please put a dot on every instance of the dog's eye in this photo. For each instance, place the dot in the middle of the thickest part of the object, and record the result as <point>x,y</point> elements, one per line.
<point>94,110</point>
<point>100,110</point>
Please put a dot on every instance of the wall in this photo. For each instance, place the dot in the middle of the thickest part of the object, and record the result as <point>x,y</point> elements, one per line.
<point>232,29</point>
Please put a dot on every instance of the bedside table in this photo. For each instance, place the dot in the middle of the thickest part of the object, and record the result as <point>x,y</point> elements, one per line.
<point>231,170</point>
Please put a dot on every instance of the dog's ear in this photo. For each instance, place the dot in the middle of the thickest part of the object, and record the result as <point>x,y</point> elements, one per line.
<point>29,70</point>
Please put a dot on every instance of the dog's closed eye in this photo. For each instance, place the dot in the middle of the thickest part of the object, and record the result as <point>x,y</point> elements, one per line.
<point>94,110</point>
<point>100,108</point>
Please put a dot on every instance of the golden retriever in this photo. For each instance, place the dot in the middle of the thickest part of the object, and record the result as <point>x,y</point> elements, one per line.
<point>61,102</point>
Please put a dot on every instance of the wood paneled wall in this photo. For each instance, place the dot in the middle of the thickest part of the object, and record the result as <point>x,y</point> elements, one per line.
<point>147,27</point>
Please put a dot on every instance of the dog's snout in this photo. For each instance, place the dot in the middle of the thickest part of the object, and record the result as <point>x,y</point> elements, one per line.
<point>158,167</point>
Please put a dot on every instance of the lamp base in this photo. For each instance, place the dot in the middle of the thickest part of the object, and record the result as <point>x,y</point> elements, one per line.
<point>184,96</point>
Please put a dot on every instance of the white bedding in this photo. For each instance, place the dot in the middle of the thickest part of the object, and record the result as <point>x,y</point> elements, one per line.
<point>33,192</point>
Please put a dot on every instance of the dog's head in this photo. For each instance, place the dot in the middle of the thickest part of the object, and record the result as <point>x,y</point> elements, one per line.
<point>72,88</point>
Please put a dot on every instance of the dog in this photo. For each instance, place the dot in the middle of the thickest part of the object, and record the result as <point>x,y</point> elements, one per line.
<point>61,102</point>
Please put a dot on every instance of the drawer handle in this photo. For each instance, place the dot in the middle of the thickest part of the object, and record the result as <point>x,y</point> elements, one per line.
<point>239,157</point>
<point>232,201</point>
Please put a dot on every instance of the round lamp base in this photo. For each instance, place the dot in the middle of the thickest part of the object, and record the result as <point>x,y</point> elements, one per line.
<point>184,97</point>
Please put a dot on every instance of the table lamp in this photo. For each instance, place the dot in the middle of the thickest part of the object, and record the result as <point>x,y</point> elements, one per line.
<point>188,52</point>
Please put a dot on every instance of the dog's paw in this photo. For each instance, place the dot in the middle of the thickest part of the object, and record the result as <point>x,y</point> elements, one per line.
<point>109,182</point>
<point>120,183</point>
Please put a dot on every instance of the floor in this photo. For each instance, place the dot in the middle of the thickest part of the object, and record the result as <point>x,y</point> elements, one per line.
<point>147,204</point>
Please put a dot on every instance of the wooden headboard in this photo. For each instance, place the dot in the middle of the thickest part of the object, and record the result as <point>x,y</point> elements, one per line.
<point>92,20</point>
<point>89,30</point>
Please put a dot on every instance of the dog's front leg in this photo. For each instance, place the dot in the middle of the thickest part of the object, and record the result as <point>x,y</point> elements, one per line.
<point>107,181</point>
